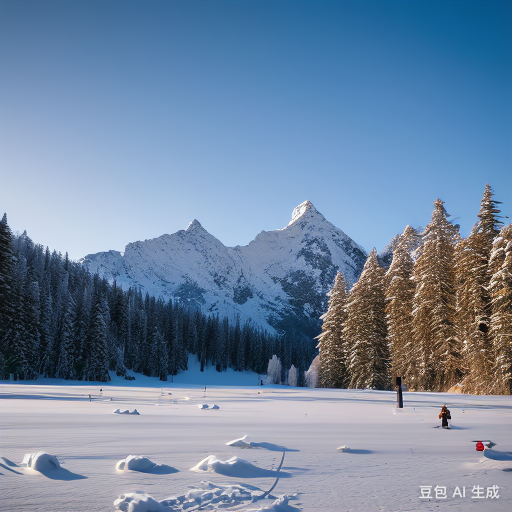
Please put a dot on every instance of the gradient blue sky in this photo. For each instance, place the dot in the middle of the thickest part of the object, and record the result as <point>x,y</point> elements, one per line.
<point>125,120</point>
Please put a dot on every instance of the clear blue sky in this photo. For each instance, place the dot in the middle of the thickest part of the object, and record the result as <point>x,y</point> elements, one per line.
<point>125,120</point>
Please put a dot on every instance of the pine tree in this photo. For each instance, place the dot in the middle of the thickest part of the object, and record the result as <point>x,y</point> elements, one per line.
<point>65,363</point>
<point>473,301</point>
<point>120,367</point>
<point>97,362</point>
<point>6,310</point>
<point>82,322</point>
<point>292,376</point>
<point>333,371</point>
<point>32,314</point>
<point>274,370</point>
<point>399,296</point>
<point>500,288</point>
<point>46,348</point>
<point>437,348</point>
<point>365,329</point>
<point>162,356</point>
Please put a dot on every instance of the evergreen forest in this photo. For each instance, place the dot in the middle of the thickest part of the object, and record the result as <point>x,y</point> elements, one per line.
<point>59,321</point>
<point>439,316</point>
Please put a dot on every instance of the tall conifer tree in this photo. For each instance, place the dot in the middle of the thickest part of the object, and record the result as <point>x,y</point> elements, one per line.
<point>97,364</point>
<point>399,296</point>
<point>365,329</point>
<point>473,301</point>
<point>437,348</point>
<point>500,288</point>
<point>6,310</point>
<point>333,357</point>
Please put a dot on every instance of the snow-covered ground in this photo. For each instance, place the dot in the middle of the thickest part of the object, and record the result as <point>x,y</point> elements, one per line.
<point>345,450</point>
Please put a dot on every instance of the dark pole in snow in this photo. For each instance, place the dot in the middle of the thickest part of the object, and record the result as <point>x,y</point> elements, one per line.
<point>399,398</point>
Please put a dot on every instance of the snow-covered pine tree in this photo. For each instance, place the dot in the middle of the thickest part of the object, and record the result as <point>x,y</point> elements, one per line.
<point>46,338</point>
<point>97,363</point>
<point>274,370</point>
<point>473,311</point>
<point>224,333</point>
<point>32,316</point>
<point>180,337</point>
<point>399,296</point>
<point>500,288</point>
<point>66,354</point>
<point>82,321</point>
<point>311,375</point>
<point>162,356</point>
<point>365,329</point>
<point>221,347</point>
<point>292,376</point>
<point>118,324</point>
<point>437,350</point>
<point>6,310</point>
<point>16,335</point>
<point>240,352</point>
<point>331,345</point>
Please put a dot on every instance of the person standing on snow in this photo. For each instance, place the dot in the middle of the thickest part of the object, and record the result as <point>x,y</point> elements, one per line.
<point>444,415</point>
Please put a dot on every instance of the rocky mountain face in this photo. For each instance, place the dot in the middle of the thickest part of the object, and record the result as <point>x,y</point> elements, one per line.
<point>278,281</point>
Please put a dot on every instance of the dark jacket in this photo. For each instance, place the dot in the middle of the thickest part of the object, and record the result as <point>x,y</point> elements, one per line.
<point>445,416</point>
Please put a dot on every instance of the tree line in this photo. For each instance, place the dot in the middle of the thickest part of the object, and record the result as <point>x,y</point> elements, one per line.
<point>58,320</point>
<point>440,315</point>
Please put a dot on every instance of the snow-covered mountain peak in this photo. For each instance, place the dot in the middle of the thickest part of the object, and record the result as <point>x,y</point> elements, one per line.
<point>194,225</point>
<point>303,211</point>
<point>278,281</point>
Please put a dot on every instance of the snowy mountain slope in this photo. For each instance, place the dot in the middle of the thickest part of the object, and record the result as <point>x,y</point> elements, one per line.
<point>278,281</point>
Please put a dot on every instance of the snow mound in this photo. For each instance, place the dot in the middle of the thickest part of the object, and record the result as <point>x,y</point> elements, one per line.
<point>118,411</point>
<point>207,496</point>
<point>208,406</point>
<point>243,443</point>
<point>40,461</point>
<point>280,505</point>
<point>143,465</point>
<point>343,448</point>
<point>239,443</point>
<point>233,467</point>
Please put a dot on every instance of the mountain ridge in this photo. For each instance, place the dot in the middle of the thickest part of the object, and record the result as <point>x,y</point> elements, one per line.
<point>278,281</point>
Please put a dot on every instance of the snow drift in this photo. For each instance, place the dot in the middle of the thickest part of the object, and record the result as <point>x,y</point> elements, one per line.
<point>143,465</point>
<point>234,467</point>
<point>206,496</point>
<point>40,461</point>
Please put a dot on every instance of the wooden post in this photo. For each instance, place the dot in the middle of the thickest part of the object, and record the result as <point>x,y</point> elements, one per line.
<point>399,398</point>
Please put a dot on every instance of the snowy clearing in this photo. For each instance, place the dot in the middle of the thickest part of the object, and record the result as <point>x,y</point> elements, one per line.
<point>346,450</point>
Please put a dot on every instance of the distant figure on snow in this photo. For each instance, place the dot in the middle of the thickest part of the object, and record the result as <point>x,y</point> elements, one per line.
<point>444,415</point>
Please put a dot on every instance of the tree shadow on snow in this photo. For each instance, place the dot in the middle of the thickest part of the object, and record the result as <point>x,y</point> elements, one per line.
<point>9,465</point>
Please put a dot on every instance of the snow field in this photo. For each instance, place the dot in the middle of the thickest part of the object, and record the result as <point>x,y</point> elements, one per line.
<point>391,452</point>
